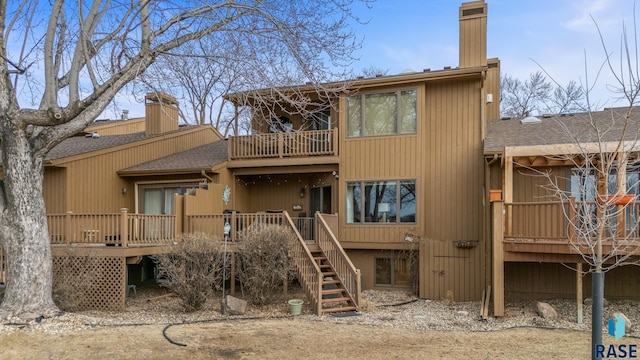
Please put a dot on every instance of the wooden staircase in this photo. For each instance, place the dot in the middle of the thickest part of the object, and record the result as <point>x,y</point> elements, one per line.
<point>334,296</point>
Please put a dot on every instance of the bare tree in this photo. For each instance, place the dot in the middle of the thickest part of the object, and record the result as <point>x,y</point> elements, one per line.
<point>602,148</point>
<point>73,57</point>
<point>537,95</point>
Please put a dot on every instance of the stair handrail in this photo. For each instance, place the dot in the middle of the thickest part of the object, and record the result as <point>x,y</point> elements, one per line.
<point>309,273</point>
<point>337,257</point>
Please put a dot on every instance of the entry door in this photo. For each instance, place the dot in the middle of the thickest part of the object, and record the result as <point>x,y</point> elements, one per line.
<point>321,200</point>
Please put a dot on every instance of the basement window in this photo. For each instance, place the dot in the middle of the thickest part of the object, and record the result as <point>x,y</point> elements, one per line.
<point>391,271</point>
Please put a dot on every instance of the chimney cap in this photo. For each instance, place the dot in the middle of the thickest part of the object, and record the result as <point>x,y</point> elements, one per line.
<point>159,96</point>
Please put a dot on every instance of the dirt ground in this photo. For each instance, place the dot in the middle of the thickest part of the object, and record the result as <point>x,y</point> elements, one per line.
<point>271,333</point>
<point>292,338</point>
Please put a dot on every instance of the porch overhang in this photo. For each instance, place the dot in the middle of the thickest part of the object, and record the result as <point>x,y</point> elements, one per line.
<point>260,168</point>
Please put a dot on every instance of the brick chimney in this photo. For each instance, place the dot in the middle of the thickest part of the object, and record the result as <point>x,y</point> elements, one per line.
<point>161,113</point>
<point>473,34</point>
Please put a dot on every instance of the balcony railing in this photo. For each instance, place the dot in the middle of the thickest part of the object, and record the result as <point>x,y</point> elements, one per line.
<point>213,224</point>
<point>284,144</point>
<point>558,221</point>
<point>118,229</point>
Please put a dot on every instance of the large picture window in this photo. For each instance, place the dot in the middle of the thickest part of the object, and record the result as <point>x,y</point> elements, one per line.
<point>382,113</point>
<point>381,201</point>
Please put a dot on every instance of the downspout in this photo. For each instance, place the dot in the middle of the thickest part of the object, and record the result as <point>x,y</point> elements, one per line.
<point>204,174</point>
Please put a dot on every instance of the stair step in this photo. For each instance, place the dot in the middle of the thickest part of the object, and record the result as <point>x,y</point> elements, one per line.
<point>332,281</point>
<point>324,266</point>
<point>328,273</point>
<point>334,300</point>
<point>339,309</point>
<point>333,291</point>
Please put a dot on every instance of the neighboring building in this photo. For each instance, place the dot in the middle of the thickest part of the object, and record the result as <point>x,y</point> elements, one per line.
<point>536,254</point>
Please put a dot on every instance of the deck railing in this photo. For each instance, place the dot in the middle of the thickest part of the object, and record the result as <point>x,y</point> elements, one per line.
<point>336,256</point>
<point>116,229</point>
<point>284,144</point>
<point>559,221</point>
<point>213,224</point>
<point>309,273</point>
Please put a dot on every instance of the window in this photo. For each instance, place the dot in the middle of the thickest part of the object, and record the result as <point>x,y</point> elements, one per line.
<point>392,272</point>
<point>281,124</point>
<point>382,114</point>
<point>159,200</point>
<point>381,202</point>
<point>584,189</point>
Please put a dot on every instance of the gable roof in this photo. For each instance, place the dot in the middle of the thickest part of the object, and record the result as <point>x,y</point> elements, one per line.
<point>80,144</point>
<point>195,160</point>
<point>577,128</point>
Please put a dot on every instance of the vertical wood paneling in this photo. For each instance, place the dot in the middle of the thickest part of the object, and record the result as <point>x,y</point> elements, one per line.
<point>55,190</point>
<point>93,183</point>
<point>446,159</point>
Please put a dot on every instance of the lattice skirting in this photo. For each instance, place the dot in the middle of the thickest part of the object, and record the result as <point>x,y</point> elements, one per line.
<point>99,280</point>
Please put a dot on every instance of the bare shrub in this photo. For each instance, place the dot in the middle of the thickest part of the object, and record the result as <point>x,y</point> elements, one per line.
<point>265,261</point>
<point>194,270</point>
<point>74,274</point>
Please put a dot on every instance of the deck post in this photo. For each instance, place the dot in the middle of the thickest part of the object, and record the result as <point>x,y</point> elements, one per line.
<point>124,228</point>
<point>233,273</point>
<point>498,258</point>
<point>67,227</point>
<point>280,144</point>
<point>579,292</point>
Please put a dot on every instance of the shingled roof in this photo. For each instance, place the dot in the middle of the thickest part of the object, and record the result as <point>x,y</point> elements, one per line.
<point>563,129</point>
<point>194,160</point>
<point>83,144</point>
<point>79,144</point>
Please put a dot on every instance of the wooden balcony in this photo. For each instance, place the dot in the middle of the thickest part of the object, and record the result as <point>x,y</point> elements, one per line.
<point>284,148</point>
<point>558,230</point>
<point>122,234</point>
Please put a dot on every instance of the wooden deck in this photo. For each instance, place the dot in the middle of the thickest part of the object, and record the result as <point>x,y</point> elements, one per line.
<point>561,233</point>
<point>114,240</point>
<point>547,232</point>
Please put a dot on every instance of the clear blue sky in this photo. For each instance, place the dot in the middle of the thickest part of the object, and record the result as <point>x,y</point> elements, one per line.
<point>557,34</point>
<point>554,33</point>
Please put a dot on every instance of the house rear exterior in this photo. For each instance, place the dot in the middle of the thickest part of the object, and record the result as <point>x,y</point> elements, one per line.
<point>399,161</point>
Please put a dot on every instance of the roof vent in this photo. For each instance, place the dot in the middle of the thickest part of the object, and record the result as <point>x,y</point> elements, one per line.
<point>407,71</point>
<point>125,115</point>
<point>546,116</point>
<point>530,120</point>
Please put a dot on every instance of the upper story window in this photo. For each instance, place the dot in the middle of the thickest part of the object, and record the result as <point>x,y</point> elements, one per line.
<point>385,113</point>
<point>280,124</point>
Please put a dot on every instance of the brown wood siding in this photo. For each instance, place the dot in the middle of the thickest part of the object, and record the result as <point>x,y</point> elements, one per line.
<point>445,157</point>
<point>473,34</point>
<point>492,86</point>
<point>204,201</point>
<point>452,189</point>
<point>529,186</point>
<point>55,190</point>
<point>281,192</point>
<point>94,184</point>
<point>365,260</point>
<point>160,117</point>
<point>106,128</point>
<point>549,281</point>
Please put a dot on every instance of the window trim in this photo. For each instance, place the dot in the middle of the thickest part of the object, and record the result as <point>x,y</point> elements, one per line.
<point>362,185</point>
<point>393,261</point>
<point>398,123</point>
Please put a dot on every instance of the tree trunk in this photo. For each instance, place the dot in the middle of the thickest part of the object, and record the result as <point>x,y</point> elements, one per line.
<point>24,235</point>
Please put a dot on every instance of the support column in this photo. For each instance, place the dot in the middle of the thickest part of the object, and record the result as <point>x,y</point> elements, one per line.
<point>498,258</point>
<point>579,292</point>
